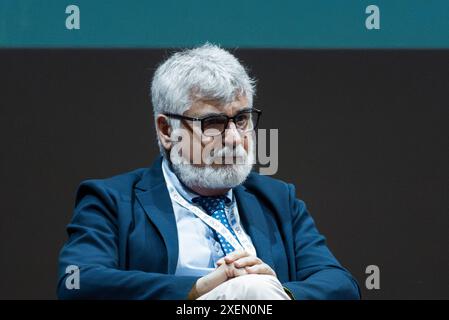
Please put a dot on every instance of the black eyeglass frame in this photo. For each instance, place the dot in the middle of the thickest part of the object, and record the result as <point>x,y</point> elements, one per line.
<point>203,119</point>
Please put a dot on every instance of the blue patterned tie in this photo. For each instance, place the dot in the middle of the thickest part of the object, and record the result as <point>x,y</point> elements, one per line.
<point>215,207</point>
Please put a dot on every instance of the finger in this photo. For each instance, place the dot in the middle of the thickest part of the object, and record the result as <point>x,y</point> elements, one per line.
<point>247,261</point>
<point>230,258</point>
<point>239,272</point>
<point>260,269</point>
<point>232,271</point>
<point>220,261</point>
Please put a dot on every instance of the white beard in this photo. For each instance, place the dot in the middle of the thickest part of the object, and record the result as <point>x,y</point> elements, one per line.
<point>219,177</point>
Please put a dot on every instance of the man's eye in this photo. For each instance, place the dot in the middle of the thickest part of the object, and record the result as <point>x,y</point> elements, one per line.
<point>242,118</point>
<point>214,121</point>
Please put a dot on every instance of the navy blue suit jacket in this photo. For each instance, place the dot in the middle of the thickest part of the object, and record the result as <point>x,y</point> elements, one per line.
<point>123,238</point>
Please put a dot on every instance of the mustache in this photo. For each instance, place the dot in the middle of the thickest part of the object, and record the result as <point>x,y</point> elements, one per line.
<point>228,153</point>
<point>239,151</point>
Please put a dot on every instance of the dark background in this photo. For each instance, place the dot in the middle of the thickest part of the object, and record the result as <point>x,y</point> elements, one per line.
<point>363,136</point>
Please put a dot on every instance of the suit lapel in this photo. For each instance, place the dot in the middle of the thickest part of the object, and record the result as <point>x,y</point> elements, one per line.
<point>254,222</point>
<point>153,195</point>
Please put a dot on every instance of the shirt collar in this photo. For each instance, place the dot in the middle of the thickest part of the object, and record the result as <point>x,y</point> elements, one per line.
<point>184,191</point>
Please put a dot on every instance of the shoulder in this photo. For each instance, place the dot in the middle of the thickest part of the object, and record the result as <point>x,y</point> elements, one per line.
<point>278,195</point>
<point>256,181</point>
<point>269,188</point>
<point>119,186</point>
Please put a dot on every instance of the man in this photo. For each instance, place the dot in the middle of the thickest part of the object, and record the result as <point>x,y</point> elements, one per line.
<point>198,224</point>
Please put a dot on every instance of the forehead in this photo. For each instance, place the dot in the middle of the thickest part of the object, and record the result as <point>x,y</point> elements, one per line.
<point>204,106</point>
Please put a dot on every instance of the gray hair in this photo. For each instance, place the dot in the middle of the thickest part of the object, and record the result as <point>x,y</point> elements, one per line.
<point>205,72</point>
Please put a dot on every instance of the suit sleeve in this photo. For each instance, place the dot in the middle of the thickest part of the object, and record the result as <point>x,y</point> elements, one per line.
<point>319,274</point>
<point>93,247</point>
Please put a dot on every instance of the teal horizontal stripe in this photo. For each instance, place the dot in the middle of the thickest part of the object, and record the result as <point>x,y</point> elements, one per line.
<point>231,23</point>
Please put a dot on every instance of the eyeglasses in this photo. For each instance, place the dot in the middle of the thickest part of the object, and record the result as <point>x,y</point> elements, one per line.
<point>215,125</point>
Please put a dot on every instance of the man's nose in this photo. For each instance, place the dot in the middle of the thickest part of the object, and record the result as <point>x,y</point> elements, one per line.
<point>232,135</point>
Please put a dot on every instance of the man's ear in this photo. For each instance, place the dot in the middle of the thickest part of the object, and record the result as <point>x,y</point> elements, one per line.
<point>164,131</point>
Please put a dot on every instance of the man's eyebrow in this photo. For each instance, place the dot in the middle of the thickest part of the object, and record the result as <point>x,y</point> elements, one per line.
<point>244,109</point>
<point>210,114</point>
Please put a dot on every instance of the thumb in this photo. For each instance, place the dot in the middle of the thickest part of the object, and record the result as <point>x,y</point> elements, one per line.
<point>220,262</point>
